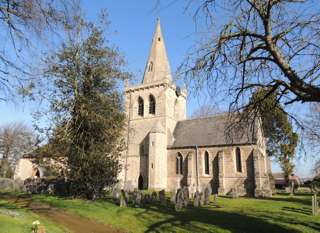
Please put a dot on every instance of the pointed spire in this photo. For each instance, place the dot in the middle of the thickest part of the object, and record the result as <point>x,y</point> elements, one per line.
<point>158,67</point>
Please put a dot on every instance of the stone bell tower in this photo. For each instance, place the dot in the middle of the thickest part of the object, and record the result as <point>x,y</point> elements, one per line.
<point>153,109</point>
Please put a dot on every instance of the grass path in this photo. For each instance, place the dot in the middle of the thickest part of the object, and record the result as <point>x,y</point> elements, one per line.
<point>70,222</point>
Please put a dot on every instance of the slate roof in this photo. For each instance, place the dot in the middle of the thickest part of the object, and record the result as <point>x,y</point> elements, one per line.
<point>211,131</point>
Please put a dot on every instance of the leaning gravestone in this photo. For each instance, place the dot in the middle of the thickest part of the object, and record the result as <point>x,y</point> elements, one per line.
<point>197,199</point>
<point>174,197</point>
<point>162,197</point>
<point>207,193</point>
<point>123,199</point>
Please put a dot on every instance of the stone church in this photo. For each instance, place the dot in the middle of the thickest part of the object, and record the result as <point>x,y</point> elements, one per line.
<point>167,151</point>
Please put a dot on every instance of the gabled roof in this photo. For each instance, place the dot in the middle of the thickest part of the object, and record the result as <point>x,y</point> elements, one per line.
<point>212,131</point>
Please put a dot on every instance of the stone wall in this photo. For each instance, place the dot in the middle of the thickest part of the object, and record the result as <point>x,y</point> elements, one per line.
<point>223,176</point>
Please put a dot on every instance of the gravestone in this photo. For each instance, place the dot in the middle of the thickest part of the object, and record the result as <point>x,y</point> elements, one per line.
<point>215,200</point>
<point>134,197</point>
<point>123,199</point>
<point>315,205</point>
<point>207,193</point>
<point>154,197</point>
<point>139,198</point>
<point>197,199</point>
<point>234,193</point>
<point>162,197</point>
<point>174,197</point>
<point>185,191</point>
<point>147,199</point>
<point>179,200</point>
<point>51,189</point>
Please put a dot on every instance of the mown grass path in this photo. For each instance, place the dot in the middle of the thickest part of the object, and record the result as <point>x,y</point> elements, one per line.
<point>70,222</point>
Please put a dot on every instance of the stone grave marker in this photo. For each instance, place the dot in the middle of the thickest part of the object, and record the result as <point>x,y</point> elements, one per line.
<point>154,197</point>
<point>179,200</point>
<point>162,197</point>
<point>197,199</point>
<point>207,193</point>
<point>123,199</point>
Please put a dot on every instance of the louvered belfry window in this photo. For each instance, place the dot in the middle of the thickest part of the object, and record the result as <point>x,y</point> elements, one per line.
<point>140,107</point>
<point>152,105</point>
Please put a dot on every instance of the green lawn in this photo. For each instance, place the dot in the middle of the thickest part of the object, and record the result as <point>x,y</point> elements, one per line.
<point>278,214</point>
<point>17,220</point>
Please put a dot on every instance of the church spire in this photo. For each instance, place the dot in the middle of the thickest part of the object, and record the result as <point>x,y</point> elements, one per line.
<point>158,67</point>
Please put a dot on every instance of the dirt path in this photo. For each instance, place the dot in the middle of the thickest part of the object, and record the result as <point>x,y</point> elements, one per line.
<point>73,223</point>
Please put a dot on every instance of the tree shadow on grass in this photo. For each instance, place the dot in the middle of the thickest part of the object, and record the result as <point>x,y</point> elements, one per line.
<point>292,200</point>
<point>305,211</point>
<point>211,220</point>
<point>314,225</point>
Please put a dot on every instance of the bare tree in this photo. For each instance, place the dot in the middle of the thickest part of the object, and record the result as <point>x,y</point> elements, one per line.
<point>16,139</point>
<point>24,25</point>
<point>317,168</point>
<point>205,111</point>
<point>313,122</point>
<point>272,44</point>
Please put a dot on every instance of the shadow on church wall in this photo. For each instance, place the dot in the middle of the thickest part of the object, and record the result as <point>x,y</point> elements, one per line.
<point>249,183</point>
<point>215,175</point>
<point>144,163</point>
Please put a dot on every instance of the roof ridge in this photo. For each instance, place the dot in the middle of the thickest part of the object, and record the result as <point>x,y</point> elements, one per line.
<point>207,117</point>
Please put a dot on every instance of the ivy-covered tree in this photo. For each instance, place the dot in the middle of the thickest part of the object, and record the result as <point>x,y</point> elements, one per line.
<point>88,109</point>
<point>281,139</point>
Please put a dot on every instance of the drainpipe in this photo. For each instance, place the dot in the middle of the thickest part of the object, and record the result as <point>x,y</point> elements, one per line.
<point>197,169</point>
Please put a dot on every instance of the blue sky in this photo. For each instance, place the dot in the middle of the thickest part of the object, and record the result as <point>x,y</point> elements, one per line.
<point>131,29</point>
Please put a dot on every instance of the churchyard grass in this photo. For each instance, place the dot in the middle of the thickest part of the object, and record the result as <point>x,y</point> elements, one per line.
<point>277,214</point>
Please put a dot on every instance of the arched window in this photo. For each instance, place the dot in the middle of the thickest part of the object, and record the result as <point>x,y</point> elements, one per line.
<point>152,105</point>
<point>238,160</point>
<point>150,66</point>
<point>206,163</point>
<point>179,161</point>
<point>140,106</point>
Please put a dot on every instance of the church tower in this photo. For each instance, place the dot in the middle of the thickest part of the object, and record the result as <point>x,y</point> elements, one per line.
<point>153,109</point>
